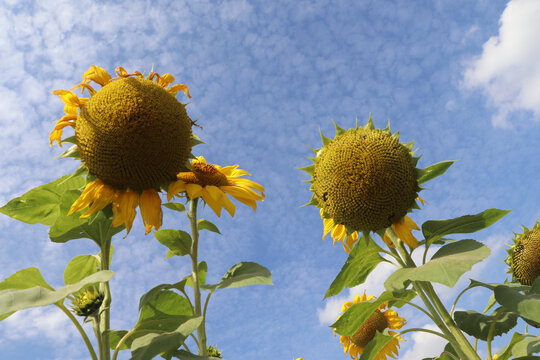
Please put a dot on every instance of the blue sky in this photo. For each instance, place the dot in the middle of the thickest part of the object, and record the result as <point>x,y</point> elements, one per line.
<point>459,78</point>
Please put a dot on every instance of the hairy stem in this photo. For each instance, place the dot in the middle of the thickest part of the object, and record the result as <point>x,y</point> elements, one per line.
<point>105,314</point>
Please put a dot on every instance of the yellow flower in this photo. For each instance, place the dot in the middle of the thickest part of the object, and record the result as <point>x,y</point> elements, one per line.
<point>378,321</point>
<point>365,180</point>
<point>133,135</point>
<point>212,183</point>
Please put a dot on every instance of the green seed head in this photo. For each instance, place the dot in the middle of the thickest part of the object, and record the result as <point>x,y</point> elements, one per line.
<point>524,256</point>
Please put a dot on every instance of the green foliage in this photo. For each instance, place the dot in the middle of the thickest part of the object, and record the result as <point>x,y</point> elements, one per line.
<point>178,241</point>
<point>207,225</point>
<point>175,206</point>
<point>527,346</point>
<point>506,352</point>
<point>243,274</point>
<point>433,171</point>
<point>155,290</point>
<point>376,345</point>
<point>526,306</point>
<point>433,230</point>
<point>41,204</point>
<point>447,354</point>
<point>152,344</point>
<point>363,258</point>
<point>80,267</point>
<point>97,227</point>
<point>19,298</point>
<point>445,267</point>
<point>478,325</point>
<point>184,355</point>
<point>202,269</point>
<point>25,279</point>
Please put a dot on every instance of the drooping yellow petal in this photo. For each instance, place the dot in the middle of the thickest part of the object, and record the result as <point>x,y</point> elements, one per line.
<point>71,101</point>
<point>410,223</point>
<point>250,184</point>
<point>388,241</point>
<point>198,160</point>
<point>241,192</point>
<point>180,87</point>
<point>98,75</point>
<point>165,80</point>
<point>194,190</point>
<point>151,213</point>
<point>103,196</point>
<point>87,196</point>
<point>125,204</point>
<point>404,233</point>
<point>174,188</point>
<point>209,199</point>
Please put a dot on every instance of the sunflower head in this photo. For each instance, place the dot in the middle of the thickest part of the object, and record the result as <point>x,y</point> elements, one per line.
<point>213,351</point>
<point>364,178</point>
<point>378,321</point>
<point>524,256</point>
<point>87,302</point>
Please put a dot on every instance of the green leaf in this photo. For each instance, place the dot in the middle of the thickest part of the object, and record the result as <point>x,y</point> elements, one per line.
<point>376,345</point>
<point>80,267</point>
<point>18,299</point>
<point>445,267</point>
<point>432,171</point>
<point>527,347</point>
<point>207,225</point>
<point>526,306</point>
<point>478,325</point>
<point>25,279</point>
<point>243,274</point>
<point>435,229</point>
<point>114,338</point>
<point>150,345</point>
<point>178,241</point>
<point>72,151</point>
<point>363,258</point>
<point>40,205</point>
<point>506,352</point>
<point>349,323</point>
<point>448,349</point>
<point>527,358</point>
<point>175,206</point>
<point>96,227</point>
<point>202,268</point>
<point>154,291</point>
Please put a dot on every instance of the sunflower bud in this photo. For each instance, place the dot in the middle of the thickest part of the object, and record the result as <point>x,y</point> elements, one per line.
<point>87,302</point>
<point>524,256</point>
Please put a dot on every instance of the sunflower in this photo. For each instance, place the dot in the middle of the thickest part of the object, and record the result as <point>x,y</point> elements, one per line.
<point>524,256</point>
<point>132,135</point>
<point>212,183</point>
<point>365,180</point>
<point>378,321</point>
<point>339,234</point>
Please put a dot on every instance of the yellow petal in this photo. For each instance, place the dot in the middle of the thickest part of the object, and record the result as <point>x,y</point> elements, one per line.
<point>180,87</point>
<point>388,241</point>
<point>251,184</point>
<point>199,160</point>
<point>87,196</point>
<point>103,196</point>
<point>194,190</point>
<point>98,75</point>
<point>150,204</point>
<point>404,233</point>
<point>126,202</point>
<point>165,80</point>
<point>174,188</point>
<point>241,192</point>
<point>411,224</point>
<point>211,201</point>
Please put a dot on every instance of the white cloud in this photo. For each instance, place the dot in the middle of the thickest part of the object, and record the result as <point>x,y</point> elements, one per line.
<point>425,345</point>
<point>508,70</point>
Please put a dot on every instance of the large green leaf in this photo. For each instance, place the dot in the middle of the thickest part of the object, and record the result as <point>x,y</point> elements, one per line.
<point>433,171</point>
<point>150,345</point>
<point>178,241</point>
<point>448,354</point>
<point>526,306</point>
<point>25,279</point>
<point>354,317</point>
<point>18,299</point>
<point>445,267</point>
<point>155,290</point>
<point>184,355</point>
<point>363,258</point>
<point>96,227</point>
<point>526,346</point>
<point>435,229</point>
<point>243,274</point>
<point>40,205</point>
<point>478,325</point>
<point>80,267</point>
<point>114,338</point>
<point>376,345</point>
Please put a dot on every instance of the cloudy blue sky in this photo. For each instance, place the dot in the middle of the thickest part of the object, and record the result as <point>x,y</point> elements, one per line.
<point>460,78</point>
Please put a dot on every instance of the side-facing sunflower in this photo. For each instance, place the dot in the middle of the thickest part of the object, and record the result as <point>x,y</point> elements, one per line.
<point>524,256</point>
<point>132,135</point>
<point>212,183</point>
<point>365,180</point>
<point>378,321</point>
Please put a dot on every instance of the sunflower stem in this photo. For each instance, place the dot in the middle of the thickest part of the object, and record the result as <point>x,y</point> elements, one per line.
<point>492,332</point>
<point>81,331</point>
<point>201,331</point>
<point>105,315</point>
<point>97,332</point>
